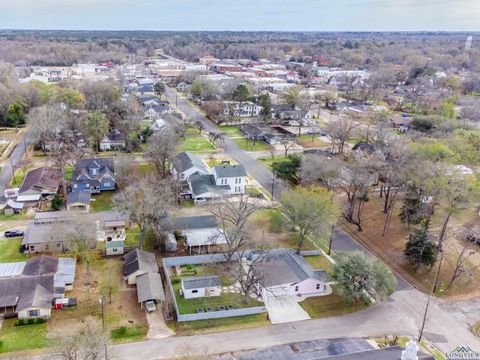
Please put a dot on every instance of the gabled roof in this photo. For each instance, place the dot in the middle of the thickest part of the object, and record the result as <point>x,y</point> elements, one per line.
<point>103,165</point>
<point>195,222</point>
<point>286,267</point>
<point>41,179</point>
<point>186,161</point>
<point>200,282</point>
<point>112,136</point>
<point>230,171</point>
<point>202,184</point>
<point>150,287</point>
<point>79,197</point>
<point>139,260</point>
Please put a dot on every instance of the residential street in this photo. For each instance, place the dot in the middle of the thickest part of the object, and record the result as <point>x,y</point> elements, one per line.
<point>14,159</point>
<point>254,168</point>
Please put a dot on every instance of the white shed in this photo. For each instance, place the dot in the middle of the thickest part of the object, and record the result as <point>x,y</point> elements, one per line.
<point>201,286</point>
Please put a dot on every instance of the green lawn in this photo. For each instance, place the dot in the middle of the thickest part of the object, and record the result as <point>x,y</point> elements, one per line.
<point>132,236</point>
<point>17,179</point>
<point>220,325</point>
<point>320,262</point>
<point>306,141</point>
<point>190,306</point>
<point>195,142</point>
<point>268,161</point>
<point>231,131</point>
<point>21,216</point>
<point>248,145</point>
<point>69,172</point>
<point>126,334</point>
<point>145,168</point>
<point>9,250</point>
<point>330,305</point>
<point>187,204</point>
<point>102,201</point>
<point>26,337</point>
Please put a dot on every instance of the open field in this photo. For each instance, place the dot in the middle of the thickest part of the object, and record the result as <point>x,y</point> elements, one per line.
<point>232,131</point>
<point>309,141</point>
<point>248,145</point>
<point>195,142</point>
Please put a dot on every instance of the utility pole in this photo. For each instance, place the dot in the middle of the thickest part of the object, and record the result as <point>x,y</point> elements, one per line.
<point>331,240</point>
<point>434,288</point>
<point>104,323</point>
<point>273,185</point>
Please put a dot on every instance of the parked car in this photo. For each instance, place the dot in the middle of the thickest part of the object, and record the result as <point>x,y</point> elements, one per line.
<point>13,233</point>
<point>150,306</point>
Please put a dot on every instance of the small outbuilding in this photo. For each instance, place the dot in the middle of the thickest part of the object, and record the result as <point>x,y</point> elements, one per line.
<point>79,201</point>
<point>201,286</point>
<point>115,247</point>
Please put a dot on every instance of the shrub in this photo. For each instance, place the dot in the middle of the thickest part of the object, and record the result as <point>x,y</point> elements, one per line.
<point>122,331</point>
<point>31,321</point>
<point>175,281</point>
<point>277,222</point>
<point>19,322</point>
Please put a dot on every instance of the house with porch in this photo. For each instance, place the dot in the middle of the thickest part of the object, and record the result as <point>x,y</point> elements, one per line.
<point>201,234</point>
<point>113,140</point>
<point>28,288</point>
<point>94,175</point>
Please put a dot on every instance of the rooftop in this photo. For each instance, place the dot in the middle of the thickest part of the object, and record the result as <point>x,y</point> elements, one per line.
<point>200,282</point>
<point>230,171</point>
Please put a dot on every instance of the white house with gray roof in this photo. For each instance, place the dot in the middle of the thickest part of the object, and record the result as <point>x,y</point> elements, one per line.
<point>234,176</point>
<point>286,273</point>
<point>187,164</point>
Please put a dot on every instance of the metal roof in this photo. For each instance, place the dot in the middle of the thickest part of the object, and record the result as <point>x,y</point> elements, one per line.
<point>196,222</point>
<point>12,269</point>
<point>205,237</point>
<point>200,282</point>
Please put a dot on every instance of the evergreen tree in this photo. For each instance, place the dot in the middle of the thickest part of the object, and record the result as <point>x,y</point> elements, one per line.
<point>420,249</point>
<point>241,93</point>
<point>266,103</point>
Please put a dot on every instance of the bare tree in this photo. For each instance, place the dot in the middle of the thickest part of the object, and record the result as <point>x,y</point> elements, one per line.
<point>234,216</point>
<point>45,121</point>
<point>86,344</point>
<point>340,131</point>
<point>459,266</point>
<point>161,150</point>
<point>199,126</point>
<point>146,201</point>
<point>216,137</point>
<point>124,170</point>
<point>287,145</point>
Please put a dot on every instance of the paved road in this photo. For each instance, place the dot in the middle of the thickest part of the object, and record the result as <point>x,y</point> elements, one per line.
<point>14,159</point>
<point>253,167</point>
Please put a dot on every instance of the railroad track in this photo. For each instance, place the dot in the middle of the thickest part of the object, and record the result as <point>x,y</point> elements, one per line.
<point>374,249</point>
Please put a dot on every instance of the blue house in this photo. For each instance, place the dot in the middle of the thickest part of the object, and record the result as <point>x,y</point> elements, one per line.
<point>93,175</point>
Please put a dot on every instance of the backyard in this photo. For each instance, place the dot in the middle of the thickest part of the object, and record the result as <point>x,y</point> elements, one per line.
<point>9,250</point>
<point>102,201</point>
<point>249,145</point>
<point>190,306</point>
<point>311,141</point>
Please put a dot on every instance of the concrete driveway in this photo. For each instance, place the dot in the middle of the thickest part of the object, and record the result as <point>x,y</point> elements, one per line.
<point>157,329</point>
<point>284,309</point>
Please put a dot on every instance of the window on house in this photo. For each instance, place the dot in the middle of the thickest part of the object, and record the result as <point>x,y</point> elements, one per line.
<point>33,313</point>
<point>74,186</point>
<point>296,288</point>
<point>318,286</point>
<point>194,291</point>
<point>32,248</point>
<point>107,184</point>
<point>114,249</point>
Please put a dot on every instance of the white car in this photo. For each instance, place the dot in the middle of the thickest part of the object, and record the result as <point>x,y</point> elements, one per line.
<point>150,306</point>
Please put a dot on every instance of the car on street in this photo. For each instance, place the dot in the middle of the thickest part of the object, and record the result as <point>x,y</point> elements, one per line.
<point>13,233</point>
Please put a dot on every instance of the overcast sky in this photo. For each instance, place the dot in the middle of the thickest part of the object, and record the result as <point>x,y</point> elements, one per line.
<point>291,15</point>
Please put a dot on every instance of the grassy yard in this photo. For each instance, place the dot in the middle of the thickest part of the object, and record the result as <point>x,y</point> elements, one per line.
<point>9,251</point>
<point>268,161</point>
<point>308,141</point>
<point>27,337</point>
<point>126,334</point>
<point>195,142</point>
<point>248,145</point>
<point>69,172</point>
<point>330,305</point>
<point>18,177</point>
<point>220,325</point>
<point>145,168</point>
<point>102,201</point>
<point>132,236</point>
<point>190,306</point>
<point>320,262</point>
<point>231,131</point>
<point>15,217</point>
